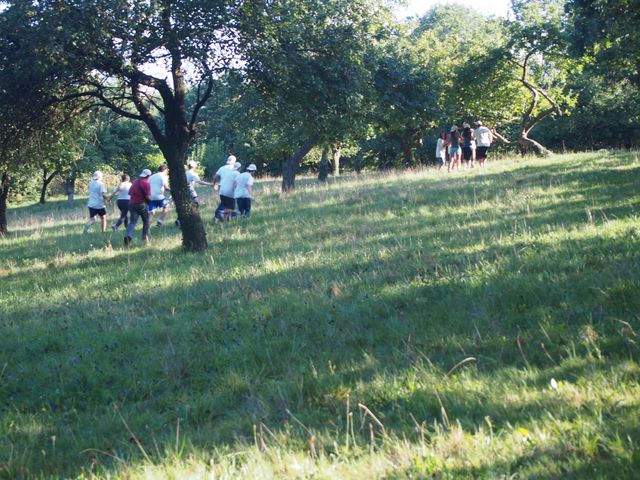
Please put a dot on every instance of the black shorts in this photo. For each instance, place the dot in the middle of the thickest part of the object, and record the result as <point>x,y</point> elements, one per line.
<point>467,153</point>
<point>229,203</point>
<point>102,212</point>
<point>481,153</point>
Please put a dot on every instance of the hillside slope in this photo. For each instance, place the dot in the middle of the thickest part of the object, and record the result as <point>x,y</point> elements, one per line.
<point>409,325</point>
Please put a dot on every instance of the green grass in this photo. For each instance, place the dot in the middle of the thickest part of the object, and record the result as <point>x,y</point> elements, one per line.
<point>415,325</point>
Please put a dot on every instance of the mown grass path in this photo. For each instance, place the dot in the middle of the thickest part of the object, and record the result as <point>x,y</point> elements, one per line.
<point>410,325</point>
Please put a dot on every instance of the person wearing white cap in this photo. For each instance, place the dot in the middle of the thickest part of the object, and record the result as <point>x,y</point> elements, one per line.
<point>243,191</point>
<point>485,138</point>
<point>139,197</point>
<point>192,180</point>
<point>159,185</point>
<point>223,182</point>
<point>96,204</point>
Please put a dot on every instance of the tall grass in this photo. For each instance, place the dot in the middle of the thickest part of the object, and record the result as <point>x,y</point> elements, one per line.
<point>405,325</point>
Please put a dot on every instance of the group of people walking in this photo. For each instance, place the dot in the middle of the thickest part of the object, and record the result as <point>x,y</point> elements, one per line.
<point>468,145</point>
<point>145,196</point>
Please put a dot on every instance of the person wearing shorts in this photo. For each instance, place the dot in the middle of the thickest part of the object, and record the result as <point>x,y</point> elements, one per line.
<point>224,181</point>
<point>453,142</point>
<point>485,139</point>
<point>96,204</point>
<point>159,184</point>
<point>122,191</point>
<point>468,145</point>
<point>231,160</point>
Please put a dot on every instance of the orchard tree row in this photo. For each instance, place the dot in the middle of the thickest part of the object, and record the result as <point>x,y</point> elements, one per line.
<point>311,83</point>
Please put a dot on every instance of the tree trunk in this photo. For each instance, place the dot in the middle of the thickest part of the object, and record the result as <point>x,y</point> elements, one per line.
<point>335,150</point>
<point>194,238</point>
<point>70,185</point>
<point>533,145</point>
<point>290,166</point>
<point>4,195</point>
<point>407,152</point>
<point>323,170</point>
<point>46,180</point>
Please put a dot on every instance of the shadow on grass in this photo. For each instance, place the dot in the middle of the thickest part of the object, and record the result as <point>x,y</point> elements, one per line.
<point>219,356</point>
<point>222,349</point>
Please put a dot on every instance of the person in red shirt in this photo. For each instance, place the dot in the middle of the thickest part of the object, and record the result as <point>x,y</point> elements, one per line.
<point>140,194</point>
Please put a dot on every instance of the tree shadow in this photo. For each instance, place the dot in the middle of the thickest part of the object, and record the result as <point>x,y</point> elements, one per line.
<point>226,343</point>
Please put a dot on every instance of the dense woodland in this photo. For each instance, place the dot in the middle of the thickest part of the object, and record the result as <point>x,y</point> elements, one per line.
<point>317,86</point>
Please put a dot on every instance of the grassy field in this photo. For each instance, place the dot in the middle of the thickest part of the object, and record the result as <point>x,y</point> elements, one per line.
<point>481,324</point>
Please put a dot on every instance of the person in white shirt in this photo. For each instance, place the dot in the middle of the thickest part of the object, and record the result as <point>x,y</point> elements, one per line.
<point>484,139</point>
<point>96,204</point>
<point>223,182</point>
<point>192,180</point>
<point>441,150</point>
<point>159,184</point>
<point>243,192</point>
<point>122,191</point>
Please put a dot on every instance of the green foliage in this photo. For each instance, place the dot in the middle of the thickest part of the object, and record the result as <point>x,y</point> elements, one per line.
<point>210,155</point>
<point>606,33</point>
<point>124,144</point>
<point>382,326</point>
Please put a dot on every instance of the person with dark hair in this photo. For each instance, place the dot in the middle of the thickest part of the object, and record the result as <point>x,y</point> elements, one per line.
<point>485,138</point>
<point>122,190</point>
<point>441,151</point>
<point>468,145</point>
<point>140,196</point>
<point>193,179</point>
<point>453,142</point>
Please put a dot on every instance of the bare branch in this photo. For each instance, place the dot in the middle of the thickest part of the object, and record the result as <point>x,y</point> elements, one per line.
<point>145,115</point>
<point>201,101</point>
<point>501,137</point>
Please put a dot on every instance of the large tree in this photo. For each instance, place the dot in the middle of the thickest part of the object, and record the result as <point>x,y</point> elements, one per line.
<point>139,59</point>
<point>521,79</point>
<point>408,87</point>
<point>306,58</point>
<point>27,116</point>
<point>607,33</point>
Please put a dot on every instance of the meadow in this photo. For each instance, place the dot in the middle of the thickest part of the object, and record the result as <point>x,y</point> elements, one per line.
<point>481,324</point>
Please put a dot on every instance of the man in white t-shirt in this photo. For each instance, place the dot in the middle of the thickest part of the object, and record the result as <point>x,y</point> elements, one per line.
<point>97,197</point>
<point>243,192</point>
<point>484,138</point>
<point>223,183</point>
<point>159,184</point>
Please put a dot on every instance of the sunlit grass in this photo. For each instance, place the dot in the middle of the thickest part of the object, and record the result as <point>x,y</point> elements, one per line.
<point>387,325</point>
